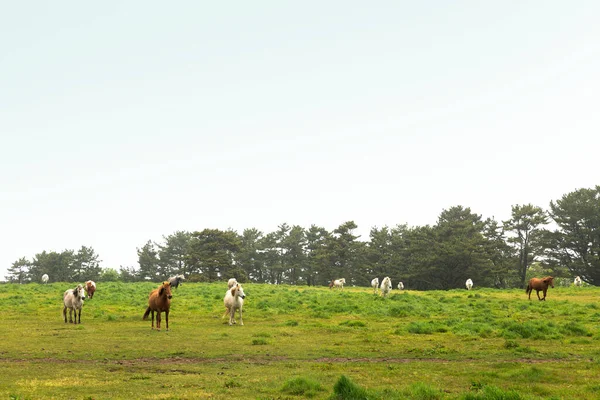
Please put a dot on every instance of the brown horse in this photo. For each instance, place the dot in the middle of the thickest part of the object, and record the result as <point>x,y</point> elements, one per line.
<point>539,284</point>
<point>159,301</point>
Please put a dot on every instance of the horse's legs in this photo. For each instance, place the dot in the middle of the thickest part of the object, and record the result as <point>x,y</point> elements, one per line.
<point>538,294</point>
<point>70,318</point>
<point>152,312</point>
<point>158,319</point>
<point>79,316</point>
<point>241,320</point>
<point>65,313</point>
<point>167,318</point>
<point>545,294</point>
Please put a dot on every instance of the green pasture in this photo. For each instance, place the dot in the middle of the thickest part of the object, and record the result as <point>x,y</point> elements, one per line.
<point>302,342</point>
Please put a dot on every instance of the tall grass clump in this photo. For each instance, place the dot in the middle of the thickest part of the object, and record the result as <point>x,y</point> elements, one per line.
<point>302,387</point>
<point>539,330</point>
<point>492,393</point>
<point>345,389</point>
<point>421,391</point>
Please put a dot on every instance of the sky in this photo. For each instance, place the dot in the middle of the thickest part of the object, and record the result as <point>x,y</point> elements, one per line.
<point>123,122</point>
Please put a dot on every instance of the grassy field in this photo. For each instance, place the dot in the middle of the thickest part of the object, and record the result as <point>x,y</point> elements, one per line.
<point>301,342</point>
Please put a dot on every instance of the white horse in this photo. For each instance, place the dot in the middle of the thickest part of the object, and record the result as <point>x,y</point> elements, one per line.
<point>400,286</point>
<point>375,284</point>
<point>73,300</point>
<point>386,286</point>
<point>469,284</point>
<point>577,281</point>
<point>339,283</point>
<point>45,278</point>
<point>234,300</point>
<point>231,283</point>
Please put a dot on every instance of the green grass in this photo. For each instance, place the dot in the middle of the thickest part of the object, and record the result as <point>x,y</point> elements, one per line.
<point>301,342</point>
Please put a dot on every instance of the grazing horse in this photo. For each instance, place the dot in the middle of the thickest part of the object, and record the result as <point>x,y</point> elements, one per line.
<point>159,301</point>
<point>234,300</point>
<point>338,283</point>
<point>469,284</point>
<point>374,284</point>
<point>73,300</point>
<point>577,281</point>
<point>400,286</point>
<point>45,278</point>
<point>539,285</point>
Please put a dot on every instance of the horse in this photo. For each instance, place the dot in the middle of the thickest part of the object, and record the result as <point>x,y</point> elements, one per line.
<point>469,284</point>
<point>90,288</point>
<point>45,278</point>
<point>338,283</point>
<point>539,285</point>
<point>577,281</point>
<point>400,286</point>
<point>175,281</point>
<point>234,300</point>
<point>159,301</point>
<point>73,300</point>
<point>231,283</point>
<point>386,286</point>
<point>374,284</point>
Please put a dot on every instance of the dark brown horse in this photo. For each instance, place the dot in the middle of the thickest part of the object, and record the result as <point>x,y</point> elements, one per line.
<point>159,301</point>
<point>539,285</point>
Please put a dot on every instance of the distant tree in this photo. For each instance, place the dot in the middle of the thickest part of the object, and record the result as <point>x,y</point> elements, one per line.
<point>317,256</point>
<point>250,255</point>
<point>576,242</point>
<point>85,265</point>
<point>525,224</point>
<point>399,255</point>
<point>421,261</point>
<point>211,253</point>
<point>379,255</point>
<point>148,261</point>
<point>346,254</point>
<point>461,248</point>
<point>172,255</point>
<point>57,265</point>
<point>109,275</point>
<point>271,256</point>
<point>129,274</point>
<point>18,272</point>
<point>502,273</point>
<point>295,258</point>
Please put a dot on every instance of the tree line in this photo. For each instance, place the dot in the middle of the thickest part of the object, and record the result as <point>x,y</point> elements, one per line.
<point>460,245</point>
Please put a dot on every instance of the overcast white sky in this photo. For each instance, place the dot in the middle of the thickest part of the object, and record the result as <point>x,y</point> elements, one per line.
<point>122,122</point>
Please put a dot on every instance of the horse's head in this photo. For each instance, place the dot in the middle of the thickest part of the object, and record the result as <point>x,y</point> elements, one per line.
<point>78,292</point>
<point>549,281</point>
<point>239,291</point>
<point>165,289</point>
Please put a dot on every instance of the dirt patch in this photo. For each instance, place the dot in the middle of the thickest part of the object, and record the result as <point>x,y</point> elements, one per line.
<point>274,360</point>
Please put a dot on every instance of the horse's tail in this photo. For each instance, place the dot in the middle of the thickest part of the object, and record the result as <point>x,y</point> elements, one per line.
<point>528,288</point>
<point>146,313</point>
